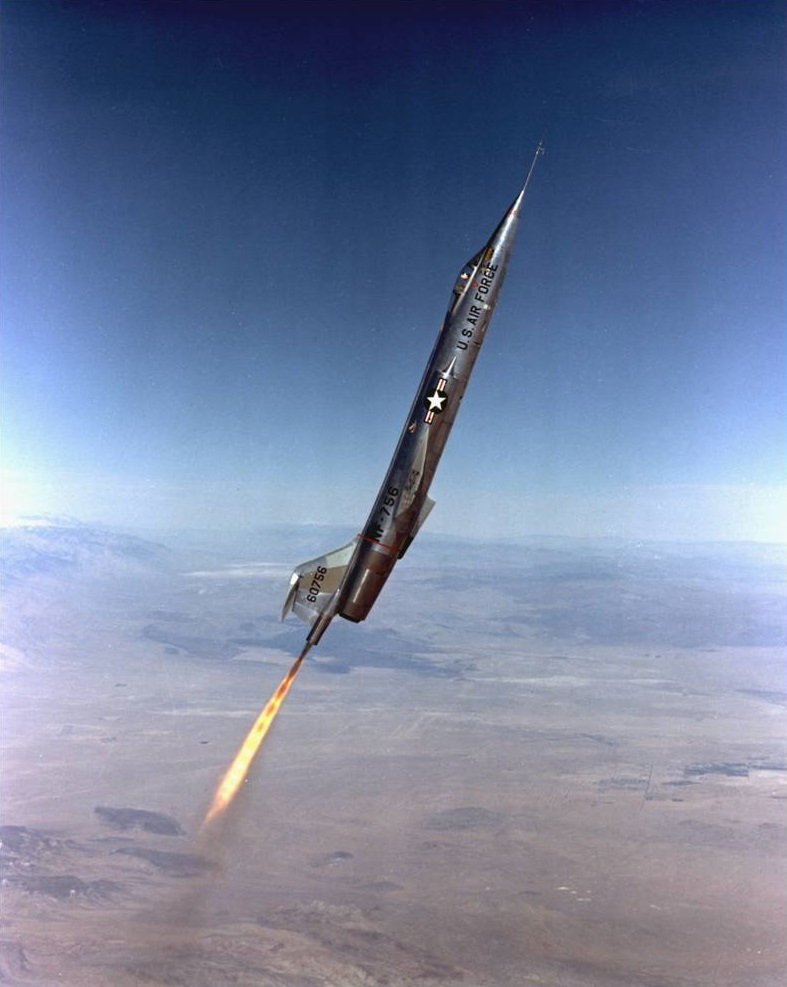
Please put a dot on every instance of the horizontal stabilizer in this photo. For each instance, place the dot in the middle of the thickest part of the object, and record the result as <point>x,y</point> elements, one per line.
<point>313,584</point>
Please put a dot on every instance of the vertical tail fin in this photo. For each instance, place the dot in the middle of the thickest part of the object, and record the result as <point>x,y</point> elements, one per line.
<point>313,584</point>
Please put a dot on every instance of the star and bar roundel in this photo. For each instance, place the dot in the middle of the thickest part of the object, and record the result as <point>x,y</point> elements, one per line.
<point>435,401</point>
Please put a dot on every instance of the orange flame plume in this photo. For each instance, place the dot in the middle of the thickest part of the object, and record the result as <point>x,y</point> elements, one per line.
<point>239,768</point>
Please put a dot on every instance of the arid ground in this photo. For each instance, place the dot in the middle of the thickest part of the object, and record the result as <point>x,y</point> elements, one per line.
<point>552,763</point>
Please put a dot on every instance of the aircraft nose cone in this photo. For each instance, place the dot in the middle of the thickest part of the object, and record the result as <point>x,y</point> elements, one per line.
<point>504,234</point>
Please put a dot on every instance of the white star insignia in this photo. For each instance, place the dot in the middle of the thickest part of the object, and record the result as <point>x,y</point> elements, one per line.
<point>436,401</point>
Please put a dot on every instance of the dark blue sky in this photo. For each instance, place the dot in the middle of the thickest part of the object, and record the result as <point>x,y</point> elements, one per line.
<point>230,232</point>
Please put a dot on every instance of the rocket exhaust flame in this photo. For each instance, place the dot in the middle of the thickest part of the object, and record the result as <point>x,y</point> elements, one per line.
<point>234,778</point>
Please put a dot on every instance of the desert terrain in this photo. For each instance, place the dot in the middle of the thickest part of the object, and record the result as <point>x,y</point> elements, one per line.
<point>555,762</point>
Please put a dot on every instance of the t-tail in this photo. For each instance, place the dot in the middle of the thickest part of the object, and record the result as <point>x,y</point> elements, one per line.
<point>314,589</point>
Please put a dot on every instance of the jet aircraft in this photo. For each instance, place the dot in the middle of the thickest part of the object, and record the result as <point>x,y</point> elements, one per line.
<point>347,581</point>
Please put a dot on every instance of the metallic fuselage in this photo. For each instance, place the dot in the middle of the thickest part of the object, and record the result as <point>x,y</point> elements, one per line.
<point>398,505</point>
<point>394,519</point>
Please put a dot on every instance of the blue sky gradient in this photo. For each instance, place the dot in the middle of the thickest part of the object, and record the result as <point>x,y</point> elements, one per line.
<point>230,232</point>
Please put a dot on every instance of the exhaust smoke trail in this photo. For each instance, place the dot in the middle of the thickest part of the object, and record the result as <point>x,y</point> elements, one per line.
<point>237,771</point>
